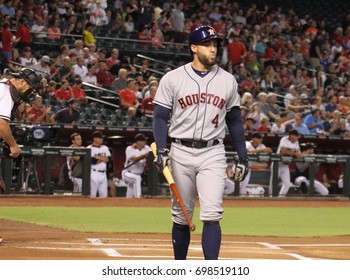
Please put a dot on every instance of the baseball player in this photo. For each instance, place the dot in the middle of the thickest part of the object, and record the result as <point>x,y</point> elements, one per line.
<point>135,163</point>
<point>254,146</point>
<point>100,155</point>
<point>201,98</point>
<point>76,143</point>
<point>288,146</point>
<point>23,86</point>
<point>302,172</point>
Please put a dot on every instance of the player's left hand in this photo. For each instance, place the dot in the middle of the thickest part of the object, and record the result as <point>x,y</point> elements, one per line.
<point>240,171</point>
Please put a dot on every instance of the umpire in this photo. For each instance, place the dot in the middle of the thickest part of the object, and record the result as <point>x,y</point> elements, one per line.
<point>24,85</point>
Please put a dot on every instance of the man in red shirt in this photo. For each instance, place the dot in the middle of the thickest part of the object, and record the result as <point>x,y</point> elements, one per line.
<point>104,77</point>
<point>128,98</point>
<point>64,92</point>
<point>7,39</point>
<point>78,92</point>
<point>236,50</point>
<point>23,34</point>
<point>38,113</point>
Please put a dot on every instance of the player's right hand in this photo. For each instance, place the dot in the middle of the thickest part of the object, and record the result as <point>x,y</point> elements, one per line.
<point>15,151</point>
<point>162,159</point>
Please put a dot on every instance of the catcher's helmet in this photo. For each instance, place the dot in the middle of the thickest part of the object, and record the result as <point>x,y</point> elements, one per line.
<point>30,76</point>
<point>202,34</point>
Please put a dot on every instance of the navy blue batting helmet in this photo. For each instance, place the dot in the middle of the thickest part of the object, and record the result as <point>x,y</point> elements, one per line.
<point>202,34</point>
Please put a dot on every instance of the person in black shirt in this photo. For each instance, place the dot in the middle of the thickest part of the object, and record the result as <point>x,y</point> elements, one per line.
<point>67,115</point>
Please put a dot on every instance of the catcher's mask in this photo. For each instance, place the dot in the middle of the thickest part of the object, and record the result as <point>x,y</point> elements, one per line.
<point>33,79</point>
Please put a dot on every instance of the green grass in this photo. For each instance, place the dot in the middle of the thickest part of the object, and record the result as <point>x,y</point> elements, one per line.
<point>274,221</point>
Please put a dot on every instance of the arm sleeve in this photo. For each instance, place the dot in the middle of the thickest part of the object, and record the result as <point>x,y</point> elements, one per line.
<point>160,125</point>
<point>235,126</point>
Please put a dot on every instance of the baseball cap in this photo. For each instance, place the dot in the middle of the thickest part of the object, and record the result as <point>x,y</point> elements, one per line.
<point>27,49</point>
<point>140,137</point>
<point>294,132</point>
<point>257,135</point>
<point>45,58</point>
<point>97,134</point>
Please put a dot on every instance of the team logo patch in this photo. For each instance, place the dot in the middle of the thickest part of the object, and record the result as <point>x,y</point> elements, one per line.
<point>211,31</point>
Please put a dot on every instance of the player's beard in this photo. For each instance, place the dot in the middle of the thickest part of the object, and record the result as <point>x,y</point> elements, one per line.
<point>206,61</point>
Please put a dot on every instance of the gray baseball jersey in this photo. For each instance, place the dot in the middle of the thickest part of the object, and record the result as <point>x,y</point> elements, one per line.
<point>199,105</point>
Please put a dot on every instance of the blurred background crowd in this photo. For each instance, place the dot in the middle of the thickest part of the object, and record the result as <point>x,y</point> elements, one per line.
<point>291,61</point>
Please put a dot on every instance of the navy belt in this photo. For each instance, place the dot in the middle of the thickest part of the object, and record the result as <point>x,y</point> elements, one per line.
<point>101,171</point>
<point>197,144</point>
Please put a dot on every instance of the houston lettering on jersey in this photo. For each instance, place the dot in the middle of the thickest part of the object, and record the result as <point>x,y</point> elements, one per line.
<point>209,98</point>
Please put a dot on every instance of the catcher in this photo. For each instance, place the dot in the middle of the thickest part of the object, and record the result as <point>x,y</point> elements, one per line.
<point>21,88</point>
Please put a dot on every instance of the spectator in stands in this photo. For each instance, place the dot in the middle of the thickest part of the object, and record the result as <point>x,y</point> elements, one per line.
<point>38,113</point>
<point>129,24</point>
<point>113,61</point>
<point>264,126</point>
<point>7,40</point>
<point>97,13</point>
<point>297,124</point>
<point>147,106</point>
<point>67,115</point>
<point>256,114</point>
<point>104,77</point>
<point>101,54</point>
<point>27,59</point>
<point>293,93</point>
<point>278,126</point>
<point>23,34</point>
<point>14,62</point>
<point>78,48</point>
<point>286,78</point>
<point>65,72</point>
<point>269,55</point>
<point>90,77</point>
<point>132,9</point>
<point>21,114</point>
<point>249,84</point>
<point>314,122</point>
<point>271,109</point>
<point>86,55</point>
<point>78,92</point>
<point>64,92</point>
<point>39,29</point>
<point>288,146</point>
<point>270,79</point>
<point>88,35</point>
<point>316,50</point>
<point>7,9</point>
<point>54,32</point>
<point>120,82</point>
<point>177,20</point>
<point>146,13</point>
<point>236,50</point>
<point>332,105</point>
<point>79,68</point>
<point>43,66</point>
<point>128,98</point>
<point>168,34</point>
<point>247,100</point>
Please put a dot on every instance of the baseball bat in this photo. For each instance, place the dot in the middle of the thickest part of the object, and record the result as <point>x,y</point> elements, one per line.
<point>169,178</point>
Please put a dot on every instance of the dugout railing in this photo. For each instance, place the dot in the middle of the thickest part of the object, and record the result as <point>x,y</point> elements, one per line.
<point>156,179</point>
<point>48,154</point>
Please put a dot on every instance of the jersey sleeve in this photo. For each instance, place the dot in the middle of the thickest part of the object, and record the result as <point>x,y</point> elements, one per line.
<point>233,99</point>
<point>164,95</point>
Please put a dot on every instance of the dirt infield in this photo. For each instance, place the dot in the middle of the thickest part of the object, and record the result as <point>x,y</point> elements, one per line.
<point>28,241</point>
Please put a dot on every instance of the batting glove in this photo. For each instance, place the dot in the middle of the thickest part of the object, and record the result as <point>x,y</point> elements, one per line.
<point>240,170</point>
<point>162,159</point>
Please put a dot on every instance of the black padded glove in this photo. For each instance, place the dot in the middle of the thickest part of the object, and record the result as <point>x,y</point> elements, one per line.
<point>162,159</point>
<point>240,170</point>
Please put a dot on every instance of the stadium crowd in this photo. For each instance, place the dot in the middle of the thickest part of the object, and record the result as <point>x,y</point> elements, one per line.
<point>293,70</point>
